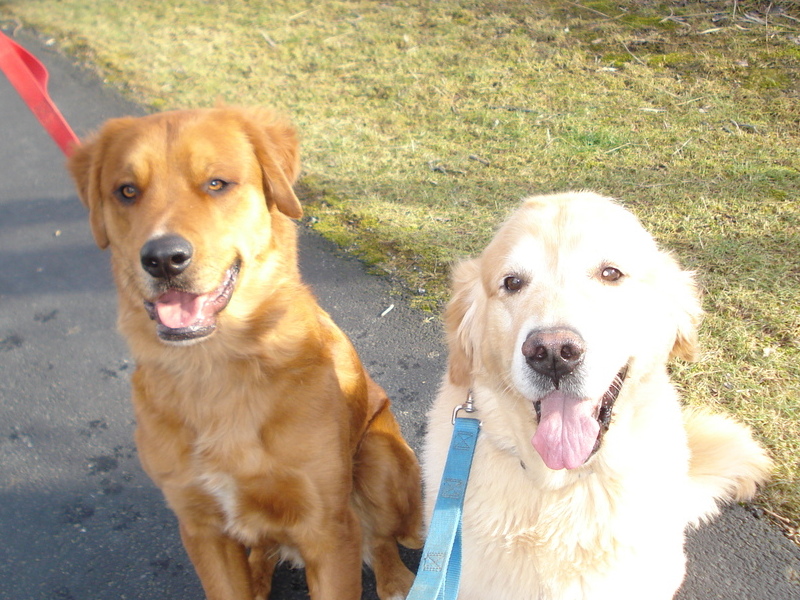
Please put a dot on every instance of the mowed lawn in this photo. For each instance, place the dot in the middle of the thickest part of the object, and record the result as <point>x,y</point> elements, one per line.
<point>424,124</point>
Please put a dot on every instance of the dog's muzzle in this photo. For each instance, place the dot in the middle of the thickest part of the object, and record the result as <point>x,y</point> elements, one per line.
<point>182,316</point>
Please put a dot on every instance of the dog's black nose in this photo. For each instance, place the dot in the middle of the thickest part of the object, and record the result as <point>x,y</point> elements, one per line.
<point>553,353</point>
<point>166,256</point>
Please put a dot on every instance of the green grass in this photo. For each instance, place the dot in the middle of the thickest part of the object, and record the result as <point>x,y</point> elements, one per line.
<point>424,123</point>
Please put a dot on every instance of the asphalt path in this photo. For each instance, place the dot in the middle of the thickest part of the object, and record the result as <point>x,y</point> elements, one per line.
<point>79,520</point>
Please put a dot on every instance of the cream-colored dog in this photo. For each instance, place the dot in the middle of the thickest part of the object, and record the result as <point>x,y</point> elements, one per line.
<point>587,470</point>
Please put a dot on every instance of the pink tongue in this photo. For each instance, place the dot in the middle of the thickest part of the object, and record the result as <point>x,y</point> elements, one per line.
<point>567,431</point>
<point>177,310</point>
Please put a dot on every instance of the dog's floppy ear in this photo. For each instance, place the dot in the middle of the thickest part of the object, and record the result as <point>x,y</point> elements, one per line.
<point>685,298</point>
<point>460,321</point>
<point>85,173</point>
<point>278,152</point>
<point>85,166</point>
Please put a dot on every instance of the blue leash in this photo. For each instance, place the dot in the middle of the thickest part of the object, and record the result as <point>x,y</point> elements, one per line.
<point>440,566</point>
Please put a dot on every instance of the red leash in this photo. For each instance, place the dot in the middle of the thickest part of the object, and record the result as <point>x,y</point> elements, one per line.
<point>29,77</point>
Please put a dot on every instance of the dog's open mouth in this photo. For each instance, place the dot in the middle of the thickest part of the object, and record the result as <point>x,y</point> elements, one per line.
<point>571,428</point>
<point>183,316</point>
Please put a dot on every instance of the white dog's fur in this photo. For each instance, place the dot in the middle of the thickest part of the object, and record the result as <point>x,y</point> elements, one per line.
<point>613,526</point>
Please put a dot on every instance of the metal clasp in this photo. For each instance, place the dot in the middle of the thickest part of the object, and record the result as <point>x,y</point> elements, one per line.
<point>467,407</point>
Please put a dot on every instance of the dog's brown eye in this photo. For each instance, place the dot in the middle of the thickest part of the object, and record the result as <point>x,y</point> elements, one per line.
<point>512,284</point>
<point>217,185</point>
<point>127,193</point>
<point>610,274</point>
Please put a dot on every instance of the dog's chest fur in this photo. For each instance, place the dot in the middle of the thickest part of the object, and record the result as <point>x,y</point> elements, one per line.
<point>596,556</point>
<point>232,449</point>
<point>601,533</point>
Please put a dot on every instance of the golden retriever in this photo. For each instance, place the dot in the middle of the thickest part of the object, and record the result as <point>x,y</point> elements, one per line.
<point>254,414</point>
<point>587,471</point>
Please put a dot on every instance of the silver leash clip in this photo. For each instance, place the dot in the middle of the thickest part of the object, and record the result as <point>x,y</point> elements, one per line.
<point>467,407</point>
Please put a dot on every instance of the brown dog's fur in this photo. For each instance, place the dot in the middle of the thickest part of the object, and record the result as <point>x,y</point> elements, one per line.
<point>264,431</point>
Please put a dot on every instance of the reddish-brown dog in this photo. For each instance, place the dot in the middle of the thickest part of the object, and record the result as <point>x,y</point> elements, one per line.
<point>255,415</point>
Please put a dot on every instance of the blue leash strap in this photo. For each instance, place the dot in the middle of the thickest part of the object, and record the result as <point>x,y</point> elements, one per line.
<point>440,566</point>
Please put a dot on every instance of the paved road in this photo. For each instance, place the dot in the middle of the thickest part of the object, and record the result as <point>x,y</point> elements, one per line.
<point>78,518</point>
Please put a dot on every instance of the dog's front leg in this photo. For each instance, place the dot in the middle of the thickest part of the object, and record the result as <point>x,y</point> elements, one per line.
<point>220,562</point>
<point>333,559</point>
